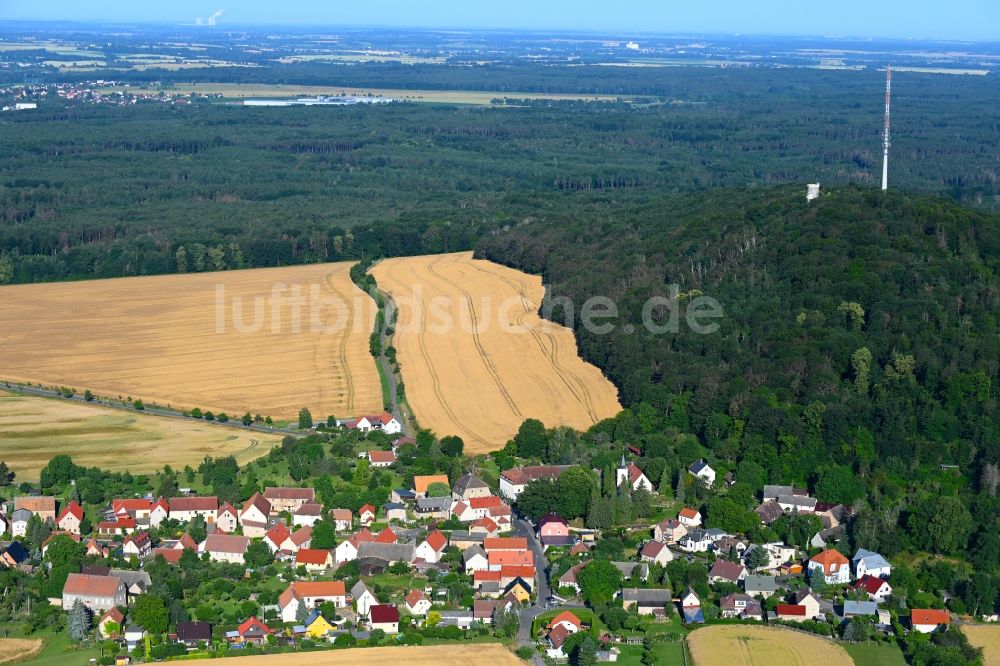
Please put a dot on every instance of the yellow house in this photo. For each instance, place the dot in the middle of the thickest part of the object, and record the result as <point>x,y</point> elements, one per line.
<point>520,589</point>
<point>317,626</point>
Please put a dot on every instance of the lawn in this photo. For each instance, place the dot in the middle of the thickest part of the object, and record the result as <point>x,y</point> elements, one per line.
<point>667,654</point>
<point>875,654</point>
<point>58,651</point>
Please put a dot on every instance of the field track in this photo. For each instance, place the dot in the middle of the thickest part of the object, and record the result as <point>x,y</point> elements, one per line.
<point>481,654</point>
<point>746,645</point>
<point>986,636</point>
<point>476,358</point>
<point>159,339</point>
<point>18,649</point>
<point>32,430</point>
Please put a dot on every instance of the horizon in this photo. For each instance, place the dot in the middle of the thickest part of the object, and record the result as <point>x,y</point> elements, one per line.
<point>958,21</point>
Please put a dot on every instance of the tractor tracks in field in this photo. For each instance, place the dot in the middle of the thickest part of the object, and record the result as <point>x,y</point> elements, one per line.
<point>576,386</point>
<point>329,282</point>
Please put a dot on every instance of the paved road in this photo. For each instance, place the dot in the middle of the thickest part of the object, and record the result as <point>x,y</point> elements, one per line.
<point>46,393</point>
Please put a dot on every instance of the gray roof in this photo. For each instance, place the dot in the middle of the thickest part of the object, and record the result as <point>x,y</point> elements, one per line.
<point>760,584</point>
<point>698,466</point>
<point>628,567</point>
<point>714,533</point>
<point>388,506</point>
<point>860,608</point>
<point>471,552</point>
<point>466,482</point>
<point>459,535</point>
<point>696,535</point>
<point>658,597</point>
<point>433,503</point>
<point>19,515</point>
<point>390,552</point>
<point>777,491</point>
<point>359,589</point>
<point>871,559</point>
<point>769,511</point>
<point>456,614</point>
<point>132,578</point>
<point>797,501</point>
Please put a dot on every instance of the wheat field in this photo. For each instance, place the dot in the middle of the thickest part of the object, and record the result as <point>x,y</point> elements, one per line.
<point>32,430</point>
<point>18,649</point>
<point>467,374</point>
<point>479,654</point>
<point>267,341</point>
<point>745,645</point>
<point>987,637</point>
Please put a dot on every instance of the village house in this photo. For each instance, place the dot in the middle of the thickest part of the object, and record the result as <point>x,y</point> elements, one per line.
<point>835,568</point>
<point>158,512</point>
<point>469,487</point>
<point>317,626</point>
<point>380,459</point>
<point>136,582</point>
<point>742,606</point>
<point>184,509</point>
<point>832,515</point>
<point>98,593</point>
<point>774,492</point>
<point>314,560</point>
<point>484,526</point>
<point>110,624</point>
<point>797,503</point>
<point>43,506</point>
<point>363,598</point>
<point>514,480</point>
<point>808,599</point>
<point>927,620</point>
<point>646,602</point>
<point>137,544</point>
<point>554,531</point>
<point>278,538</point>
<point>877,589</point>
<point>724,571</point>
<point>227,518</point>
<point>69,518</point>
<point>431,548</point>
<point>416,603</point>
<point>484,609</point>
<point>859,609</point>
<point>388,553</point>
<point>342,519</point>
<point>422,483</point>
<point>695,541</point>
<point>791,613</point>
<point>386,536</point>
<point>385,618</point>
<point>669,531</point>
<point>385,422</point>
<point>868,563</point>
<point>769,511</point>
<point>288,499</point>
<point>402,495</point>
<point>225,548</point>
<point>463,540</point>
<point>366,515</point>
<point>307,515</point>
<point>474,558</point>
<point>633,570</point>
<point>134,636</point>
<point>251,632</point>
<point>561,627</point>
<point>691,608</point>
<point>777,554</point>
<point>395,512</point>
<point>310,594</point>
<point>254,515</point>
<point>656,552</point>
<point>19,522</point>
<point>347,550</point>
<point>703,472</point>
<point>433,507</point>
<point>14,554</point>
<point>689,517</point>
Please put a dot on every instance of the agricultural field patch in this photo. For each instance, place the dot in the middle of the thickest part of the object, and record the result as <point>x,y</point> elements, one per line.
<point>33,430</point>
<point>18,649</point>
<point>987,637</point>
<point>744,645</point>
<point>268,341</point>
<point>479,654</point>
<point>476,358</point>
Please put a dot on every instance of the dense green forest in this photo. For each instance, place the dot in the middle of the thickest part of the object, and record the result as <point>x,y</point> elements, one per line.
<point>102,191</point>
<point>861,328</point>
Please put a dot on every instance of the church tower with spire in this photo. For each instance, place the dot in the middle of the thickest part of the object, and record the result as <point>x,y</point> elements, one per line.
<point>621,474</point>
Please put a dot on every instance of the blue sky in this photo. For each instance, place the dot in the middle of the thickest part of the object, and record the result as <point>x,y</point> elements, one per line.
<point>935,19</point>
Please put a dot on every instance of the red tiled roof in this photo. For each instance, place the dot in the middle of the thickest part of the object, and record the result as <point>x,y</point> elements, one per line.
<point>421,483</point>
<point>829,558</point>
<point>308,494</point>
<point>488,502</point>
<point>227,507</point>
<point>515,571</point>
<point>366,508</point>
<point>505,543</point>
<point>91,586</point>
<point>171,555</point>
<point>194,503</point>
<point>301,535</point>
<point>870,584</point>
<point>483,576</point>
<point>386,536</point>
<point>253,623</point>
<point>687,512</point>
<point>112,614</point>
<point>383,613</point>
<point>316,556</point>
<point>413,597</point>
<point>226,543</point>
<point>485,523</point>
<point>257,500</point>
<point>633,473</point>
<point>46,504</point>
<point>341,514</point>
<point>381,457</point>
<point>929,616</point>
<point>130,504</point>
<point>565,616</point>
<point>73,509</point>
<point>437,540</point>
<point>652,548</point>
<point>558,635</point>
<point>791,609</point>
<point>277,534</point>
<point>520,476</point>
<point>518,558</point>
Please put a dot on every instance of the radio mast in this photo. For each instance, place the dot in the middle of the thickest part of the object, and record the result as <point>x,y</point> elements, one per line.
<point>885,132</point>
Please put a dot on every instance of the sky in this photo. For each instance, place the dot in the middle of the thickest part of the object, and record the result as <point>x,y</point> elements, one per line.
<point>917,19</point>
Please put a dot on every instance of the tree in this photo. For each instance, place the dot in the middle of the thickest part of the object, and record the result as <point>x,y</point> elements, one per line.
<point>6,474</point>
<point>600,513</point>
<point>301,613</point>
<point>585,653</point>
<point>979,593</point>
<point>599,581</point>
<point>438,489</point>
<point>452,445</point>
<point>663,487</point>
<point>538,498</point>
<point>642,504</point>
<point>78,623</point>
<point>258,555</point>
<point>305,419</point>
<point>940,524</point>
<point>839,484</point>
<point>323,535</point>
<point>858,629</point>
<point>861,363</point>
<point>151,613</point>
<point>531,439</point>
<point>757,558</point>
<point>506,622</point>
<point>376,636</point>
<point>725,513</point>
<point>575,487</point>
<point>64,552</point>
<point>139,405</point>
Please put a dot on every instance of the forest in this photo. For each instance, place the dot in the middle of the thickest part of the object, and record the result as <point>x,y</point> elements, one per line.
<point>102,191</point>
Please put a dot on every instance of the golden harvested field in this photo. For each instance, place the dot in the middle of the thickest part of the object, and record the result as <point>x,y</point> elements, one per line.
<point>986,636</point>
<point>32,430</point>
<point>17,649</point>
<point>477,654</point>
<point>744,645</point>
<point>475,377</point>
<point>231,341</point>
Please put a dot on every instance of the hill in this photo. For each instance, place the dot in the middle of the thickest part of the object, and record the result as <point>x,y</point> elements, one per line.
<point>862,320</point>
